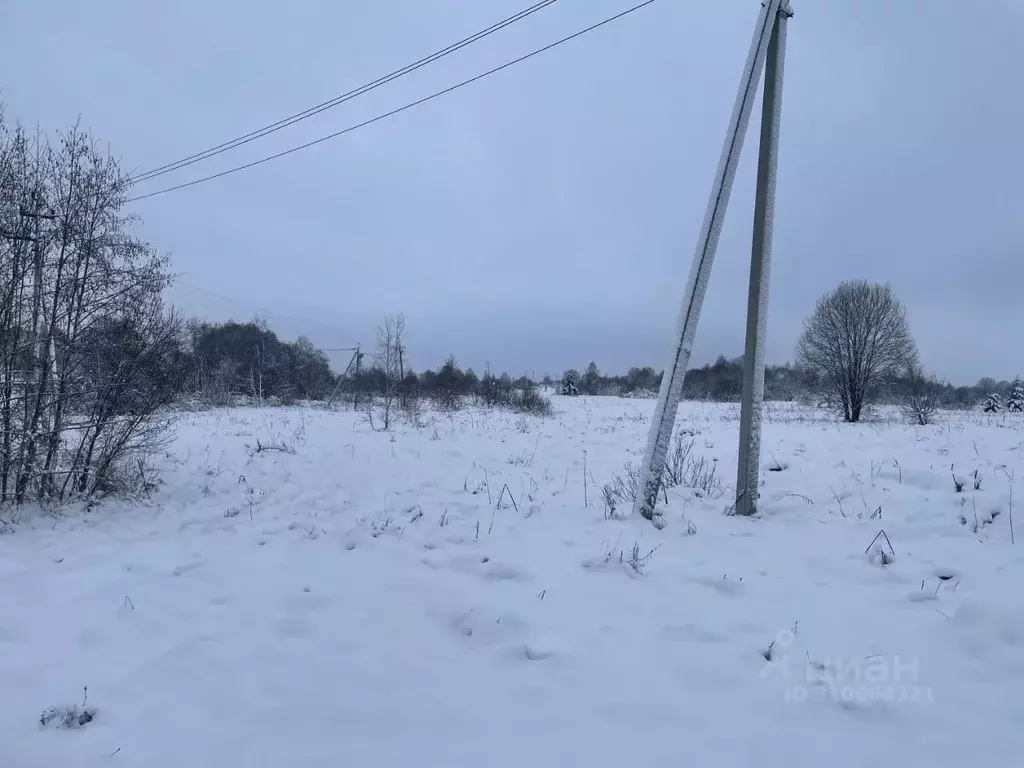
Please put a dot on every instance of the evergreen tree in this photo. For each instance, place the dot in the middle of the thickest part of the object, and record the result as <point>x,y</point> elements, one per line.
<point>570,382</point>
<point>993,404</point>
<point>449,385</point>
<point>1016,402</point>
<point>470,382</point>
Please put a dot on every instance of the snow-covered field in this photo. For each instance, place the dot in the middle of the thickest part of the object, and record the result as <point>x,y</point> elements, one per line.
<point>376,599</point>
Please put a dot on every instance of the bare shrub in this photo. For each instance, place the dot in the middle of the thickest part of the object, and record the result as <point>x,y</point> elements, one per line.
<point>682,469</point>
<point>501,393</point>
<point>522,459</point>
<point>678,462</point>
<point>857,339</point>
<point>685,469</point>
<point>622,490</point>
<point>531,401</point>
<point>920,396</point>
<point>414,411</point>
<point>637,561</point>
<point>703,476</point>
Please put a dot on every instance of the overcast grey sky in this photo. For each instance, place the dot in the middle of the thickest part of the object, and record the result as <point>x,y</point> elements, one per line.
<point>547,215</point>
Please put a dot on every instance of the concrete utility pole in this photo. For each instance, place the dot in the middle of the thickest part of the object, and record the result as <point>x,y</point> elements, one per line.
<point>358,358</point>
<point>768,44</point>
<point>401,377</point>
<point>354,360</point>
<point>760,269</point>
<point>38,314</point>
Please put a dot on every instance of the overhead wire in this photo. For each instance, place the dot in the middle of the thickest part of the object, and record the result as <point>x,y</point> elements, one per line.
<point>397,110</point>
<point>259,310</point>
<point>331,103</point>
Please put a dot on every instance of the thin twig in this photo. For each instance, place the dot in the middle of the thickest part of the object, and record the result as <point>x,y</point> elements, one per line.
<point>585,503</point>
<point>838,500</point>
<point>1009,480</point>
<point>881,532</point>
<point>793,495</point>
<point>503,489</point>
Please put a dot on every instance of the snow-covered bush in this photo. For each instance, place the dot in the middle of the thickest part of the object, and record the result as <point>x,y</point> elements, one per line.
<point>66,717</point>
<point>993,403</point>
<point>920,395</point>
<point>530,400</point>
<point>642,394</point>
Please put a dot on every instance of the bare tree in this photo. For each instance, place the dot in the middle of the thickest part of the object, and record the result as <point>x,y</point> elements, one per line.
<point>260,362</point>
<point>920,395</point>
<point>87,351</point>
<point>389,359</point>
<point>857,339</point>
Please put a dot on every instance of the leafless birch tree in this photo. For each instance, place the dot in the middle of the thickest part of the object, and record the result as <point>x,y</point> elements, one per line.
<point>389,359</point>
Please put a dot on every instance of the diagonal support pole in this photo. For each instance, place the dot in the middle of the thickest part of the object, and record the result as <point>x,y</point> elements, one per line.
<point>748,474</point>
<point>660,436</point>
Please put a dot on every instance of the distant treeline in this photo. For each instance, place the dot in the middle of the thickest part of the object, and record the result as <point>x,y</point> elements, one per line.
<point>229,360</point>
<point>224,361</point>
<point>722,381</point>
<point>221,362</point>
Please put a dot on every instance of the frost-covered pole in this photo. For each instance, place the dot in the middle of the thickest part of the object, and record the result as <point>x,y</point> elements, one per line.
<point>760,268</point>
<point>696,286</point>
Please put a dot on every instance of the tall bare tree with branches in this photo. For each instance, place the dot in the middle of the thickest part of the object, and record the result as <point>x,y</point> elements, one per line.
<point>389,359</point>
<point>856,340</point>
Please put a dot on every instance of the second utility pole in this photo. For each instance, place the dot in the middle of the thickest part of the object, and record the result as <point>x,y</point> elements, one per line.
<point>747,475</point>
<point>38,311</point>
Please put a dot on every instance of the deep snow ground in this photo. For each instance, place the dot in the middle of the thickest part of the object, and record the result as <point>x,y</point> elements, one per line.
<point>339,605</point>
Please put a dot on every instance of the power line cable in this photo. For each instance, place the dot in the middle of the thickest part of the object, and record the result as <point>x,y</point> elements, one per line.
<point>403,108</point>
<point>280,316</point>
<point>324,106</point>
